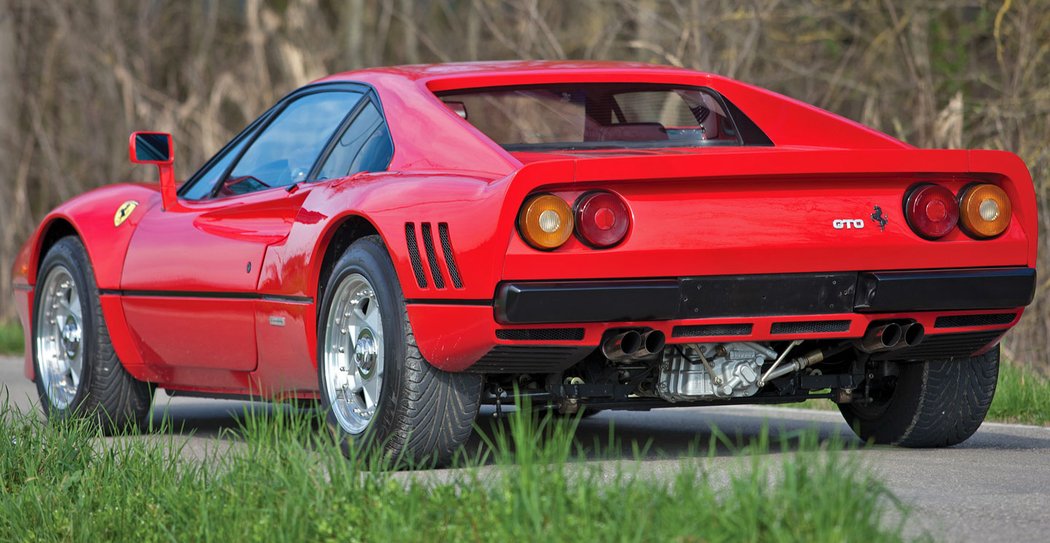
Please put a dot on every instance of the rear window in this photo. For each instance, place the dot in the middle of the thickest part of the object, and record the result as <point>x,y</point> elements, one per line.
<point>603,116</point>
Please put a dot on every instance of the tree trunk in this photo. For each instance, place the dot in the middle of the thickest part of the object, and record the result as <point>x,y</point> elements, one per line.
<point>9,82</point>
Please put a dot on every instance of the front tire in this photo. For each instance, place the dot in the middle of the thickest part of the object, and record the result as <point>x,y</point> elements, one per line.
<point>936,403</point>
<point>376,388</point>
<point>78,374</point>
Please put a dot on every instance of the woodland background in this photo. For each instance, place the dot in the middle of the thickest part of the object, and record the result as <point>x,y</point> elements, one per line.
<point>76,77</point>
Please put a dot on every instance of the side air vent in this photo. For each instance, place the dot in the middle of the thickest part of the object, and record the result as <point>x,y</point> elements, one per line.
<point>428,244</point>
<point>960,321</point>
<point>413,255</point>
<point>809,327</point>
<point>434,264</point>
<point>706,330</point>
<point>450,257</point>
<point>541,334</point>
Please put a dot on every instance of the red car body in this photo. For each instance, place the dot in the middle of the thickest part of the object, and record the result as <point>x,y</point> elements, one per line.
<point>221,297</point>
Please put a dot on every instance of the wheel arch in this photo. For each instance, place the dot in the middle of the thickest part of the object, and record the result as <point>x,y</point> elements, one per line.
<point>343,232</point>
<point>51,232</point>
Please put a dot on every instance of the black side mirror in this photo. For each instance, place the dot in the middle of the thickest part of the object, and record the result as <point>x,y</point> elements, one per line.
<point>151,148</point>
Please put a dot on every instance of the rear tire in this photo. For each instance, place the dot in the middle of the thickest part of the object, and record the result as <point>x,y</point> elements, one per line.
<point>937,403</point>
<point>77,372</point>
<point>378,392</point>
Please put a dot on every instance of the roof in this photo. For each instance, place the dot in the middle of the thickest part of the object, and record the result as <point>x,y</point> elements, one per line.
<point>453,71</point>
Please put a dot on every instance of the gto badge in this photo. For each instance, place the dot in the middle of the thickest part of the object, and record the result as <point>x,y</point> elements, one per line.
<point>847,224</point>
<point>123,212</point>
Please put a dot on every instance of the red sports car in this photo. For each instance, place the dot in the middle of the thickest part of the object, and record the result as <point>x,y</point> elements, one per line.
<point>405,244</point>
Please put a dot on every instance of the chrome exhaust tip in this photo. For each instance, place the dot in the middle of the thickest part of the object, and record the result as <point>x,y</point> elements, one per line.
<point>622,346</point>
<point>912,334</point>
<point>884,337</point>
<point>653,342</point>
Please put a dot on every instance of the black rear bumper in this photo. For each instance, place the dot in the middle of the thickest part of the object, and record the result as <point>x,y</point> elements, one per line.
<point>763,295</point>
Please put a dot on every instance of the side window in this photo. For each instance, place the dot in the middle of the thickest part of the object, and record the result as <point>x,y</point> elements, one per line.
<point>364,147</point>
<point>287,149</point>
<point>205,182</point>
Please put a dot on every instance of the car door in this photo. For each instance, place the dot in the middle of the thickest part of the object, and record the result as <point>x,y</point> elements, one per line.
<point>190,276</point>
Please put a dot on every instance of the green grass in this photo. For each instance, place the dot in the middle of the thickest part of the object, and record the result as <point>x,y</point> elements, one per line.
<point>11,339</point>
<point>1022,395</point>
<point>288,483</point>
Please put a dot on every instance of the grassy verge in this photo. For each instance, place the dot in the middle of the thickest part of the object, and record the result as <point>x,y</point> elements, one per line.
<point>11,339</point>
<point>1022,396</point>
<point>286,483</point>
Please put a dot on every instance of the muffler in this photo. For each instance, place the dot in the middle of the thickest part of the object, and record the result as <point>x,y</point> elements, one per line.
<point>880,338</point>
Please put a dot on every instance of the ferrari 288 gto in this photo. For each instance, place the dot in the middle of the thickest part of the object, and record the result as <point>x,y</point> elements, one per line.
<point>406,244</point>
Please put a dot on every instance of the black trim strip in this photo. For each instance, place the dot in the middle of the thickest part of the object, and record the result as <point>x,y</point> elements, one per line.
<point>737,296</point>
<point>20,286</point>
<point>448,301</point>
<point>945,290</point>
<point>209,295</point>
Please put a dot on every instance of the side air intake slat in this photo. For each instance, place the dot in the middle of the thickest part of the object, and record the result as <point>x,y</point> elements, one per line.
<point>413,255</point>
<point>428,244</point>
<point>450,257</point>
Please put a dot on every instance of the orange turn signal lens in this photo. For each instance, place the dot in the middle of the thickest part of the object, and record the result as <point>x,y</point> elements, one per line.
<point>545,221</point>
<point>984,211</point>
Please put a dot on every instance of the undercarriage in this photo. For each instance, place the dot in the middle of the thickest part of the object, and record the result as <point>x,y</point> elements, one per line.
<point>635,369</point>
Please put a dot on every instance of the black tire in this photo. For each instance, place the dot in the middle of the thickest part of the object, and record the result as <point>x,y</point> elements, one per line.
<point>937,403</point>
<point>107,394</point>
<point>423,415</point>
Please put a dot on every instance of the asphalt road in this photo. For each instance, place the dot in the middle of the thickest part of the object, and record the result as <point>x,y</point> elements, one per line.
<point>994,487</point>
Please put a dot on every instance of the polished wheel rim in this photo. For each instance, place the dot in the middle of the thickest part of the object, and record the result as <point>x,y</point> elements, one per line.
<point>353,353</point>
<point>59,337</point>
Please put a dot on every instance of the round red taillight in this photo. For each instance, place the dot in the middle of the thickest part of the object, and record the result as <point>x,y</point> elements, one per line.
<point>602,219</point>
<point>931,211</point>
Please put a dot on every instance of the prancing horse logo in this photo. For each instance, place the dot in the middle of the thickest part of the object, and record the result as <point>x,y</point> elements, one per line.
<point>123,212</point>
<point>878,217</point>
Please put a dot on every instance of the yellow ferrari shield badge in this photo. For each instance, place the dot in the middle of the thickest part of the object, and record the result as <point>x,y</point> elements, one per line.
<point>123,212</point>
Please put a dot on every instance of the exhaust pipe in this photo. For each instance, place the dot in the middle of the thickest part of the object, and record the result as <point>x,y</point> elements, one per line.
<point>622,346</point>
<point>882,338</point>
<point>912,334</point>
<point>652,342</point>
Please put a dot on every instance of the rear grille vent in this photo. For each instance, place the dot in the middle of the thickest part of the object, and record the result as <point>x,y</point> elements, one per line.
<point>959,321</point>
<point>450,257</point>
<point>516,359</point>
<point>706,330</point>
<point>428,244</point>
<point>936,347</point>
<point>434,264</point>
<point>809,327</point>
<point>541,334</point>
<point>413,254</point>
